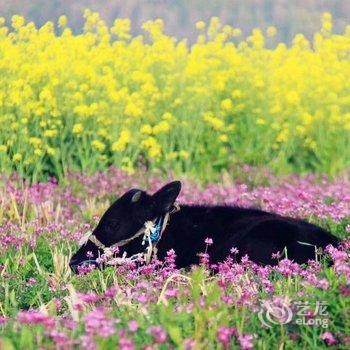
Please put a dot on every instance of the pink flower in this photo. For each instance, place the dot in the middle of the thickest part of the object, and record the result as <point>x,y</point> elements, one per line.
<point>208,241</point>
<point>133,326</point>
<point>227,300</point>
<point>143,299</point>
<point>90,254</point>
<point>328,338</point>
<point>158,333</point>
<point>276,255</point>
<point>170,259</point>
<point>85,269</point>
<point>189,344</point>
<point>36,318</point>
<point>31,282</point>
<point>225,334</point>
<point>172,293</point>
<point>58,304</point>
<point>245,259</point>
<point>234,251</point>
<point>70,324</point>
<point>78,307</point>
<point>88,343</point>
<point>294,337</point>
<point>288,268</point>
<point>60,338</point>
<point>96,323</point>
<point>246,342</point>
<point>89,298</point>
<point>204,259</point>
<point>344,291</point>
<point>126,344</point>
<point>111,293</point>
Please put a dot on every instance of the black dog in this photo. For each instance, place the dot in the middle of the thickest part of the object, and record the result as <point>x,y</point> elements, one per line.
<point>254,232</point>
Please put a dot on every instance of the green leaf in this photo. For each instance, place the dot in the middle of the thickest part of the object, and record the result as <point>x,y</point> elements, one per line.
<point>6,344</point>
<point>175,334</point>
<point>27,340</point>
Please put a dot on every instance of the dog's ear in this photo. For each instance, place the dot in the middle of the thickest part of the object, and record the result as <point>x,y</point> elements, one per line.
<point>136,196</point>
<point>164,198</point>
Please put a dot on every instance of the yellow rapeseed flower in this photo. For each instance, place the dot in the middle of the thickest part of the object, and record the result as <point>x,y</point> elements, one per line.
<point>109,86</point>
<point>169,117</point>
<point>237,94</point>
<point>51,151</point>
<point>223,138</point>
<point>146,129</point>
<point>260,121</point>
<point>215,122</point>
<point>35,141</point>
<point>122,28</point>
<point>293,98</point>
<point>200,25</point>
<point>62,21</point>
<point>172,155</point>
<point>123,141</point>
<point>127,166</point>
<point>17,21</point>
<point>78,129</point>
<point>236,32</point>
<point>283,136</point>
<point>38,152</point>
<point>226,104</point>
<point>17,157</point>
<point>327,26</point>
<point>327,16</point>
<point>98,145</point>
<point>301,130</point>
<point>271,31</point>
<point>50,133</point>
<point>153,147</point>
<point>161,128</point>
<point>184,154</point>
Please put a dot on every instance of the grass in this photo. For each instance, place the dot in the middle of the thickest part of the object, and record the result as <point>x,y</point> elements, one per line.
<point>207,307</point>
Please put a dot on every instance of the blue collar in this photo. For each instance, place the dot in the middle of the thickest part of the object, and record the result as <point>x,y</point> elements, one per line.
<point>157,234</point>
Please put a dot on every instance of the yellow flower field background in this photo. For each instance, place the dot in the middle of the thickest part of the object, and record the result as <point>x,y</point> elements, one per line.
<point>84,102</point>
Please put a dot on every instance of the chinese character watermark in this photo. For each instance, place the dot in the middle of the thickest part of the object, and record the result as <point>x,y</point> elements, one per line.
<point>301,313</point>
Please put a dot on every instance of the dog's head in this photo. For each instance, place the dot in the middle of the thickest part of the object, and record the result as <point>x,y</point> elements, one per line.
<point>123,219</point>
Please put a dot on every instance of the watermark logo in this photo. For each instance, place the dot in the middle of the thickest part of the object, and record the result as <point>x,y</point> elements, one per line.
<point>272,313</point>
<point>302,313</point>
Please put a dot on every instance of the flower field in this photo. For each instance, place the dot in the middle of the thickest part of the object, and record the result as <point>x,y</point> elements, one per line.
<point>85,102</point>
<point>157,306</point>
<point>86,116</point>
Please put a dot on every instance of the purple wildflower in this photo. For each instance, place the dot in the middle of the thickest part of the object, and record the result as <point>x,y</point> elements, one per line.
<point>208,241</point>
<point>328,338</point>
<point>225,334</point>
<point>246,342</point>
<point>159,334</point>
<point>96,323</point>
<point>133,326</point>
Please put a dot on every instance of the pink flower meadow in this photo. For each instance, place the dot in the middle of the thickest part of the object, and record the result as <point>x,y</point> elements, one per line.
<point>158,306</point>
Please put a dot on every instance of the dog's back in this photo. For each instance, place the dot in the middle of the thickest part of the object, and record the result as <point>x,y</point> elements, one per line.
<point>253,232</point>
